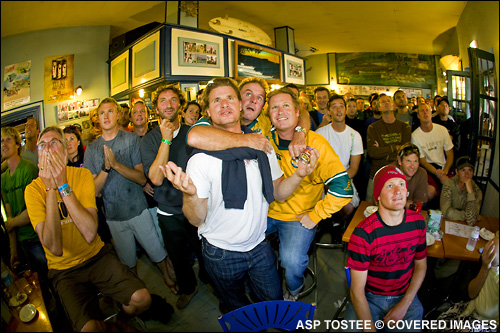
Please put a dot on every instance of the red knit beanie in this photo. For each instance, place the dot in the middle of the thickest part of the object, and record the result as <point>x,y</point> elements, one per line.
<point>384,174</point>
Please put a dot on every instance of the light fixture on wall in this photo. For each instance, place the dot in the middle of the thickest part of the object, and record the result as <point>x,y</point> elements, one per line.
<point>473,44</point>
<point>78,90</point>
<point>141,93</point>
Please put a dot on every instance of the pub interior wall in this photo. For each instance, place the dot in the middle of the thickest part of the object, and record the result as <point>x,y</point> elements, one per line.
<point>90,45</point>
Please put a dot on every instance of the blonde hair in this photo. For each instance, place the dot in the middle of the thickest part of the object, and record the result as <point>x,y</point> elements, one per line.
<point>14,133</point>
<point>110,100</point>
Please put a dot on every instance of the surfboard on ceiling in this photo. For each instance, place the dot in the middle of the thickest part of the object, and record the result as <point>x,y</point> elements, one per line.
<point>240,29</point>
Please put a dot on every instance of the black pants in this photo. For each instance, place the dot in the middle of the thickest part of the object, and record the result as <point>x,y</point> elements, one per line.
<point>181,238</point>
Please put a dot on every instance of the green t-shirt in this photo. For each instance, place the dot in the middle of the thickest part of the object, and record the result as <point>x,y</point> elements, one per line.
<point>13,194</point>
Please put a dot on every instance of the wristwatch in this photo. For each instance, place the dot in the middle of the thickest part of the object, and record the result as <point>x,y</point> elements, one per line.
<point>106,170</point>
<point>65,192</point>
<point>300,129</point>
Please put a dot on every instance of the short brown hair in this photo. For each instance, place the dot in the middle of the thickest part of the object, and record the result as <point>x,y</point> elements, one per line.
<point>336,96</point>
<point>321,89</point>
<point>216,83</point>
<point>173,87</point>
<point>14,133</point>
<point>36,121</point>
<point>284,90</point>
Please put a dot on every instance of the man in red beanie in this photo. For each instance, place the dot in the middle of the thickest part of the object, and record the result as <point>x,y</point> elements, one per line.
<point>387,258</point>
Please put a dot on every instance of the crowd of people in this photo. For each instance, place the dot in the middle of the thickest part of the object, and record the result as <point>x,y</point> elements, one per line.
<point>257,164</point>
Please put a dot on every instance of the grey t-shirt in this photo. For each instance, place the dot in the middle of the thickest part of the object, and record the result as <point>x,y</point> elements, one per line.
<point>123,199</point>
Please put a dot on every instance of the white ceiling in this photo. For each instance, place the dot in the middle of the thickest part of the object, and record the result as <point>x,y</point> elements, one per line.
<point>422,27</point>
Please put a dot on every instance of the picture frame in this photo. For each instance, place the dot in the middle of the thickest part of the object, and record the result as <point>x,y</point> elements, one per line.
<point>259,61</point>
<point>119,73</point>
<point>294,70</point>
<point>146,59</point>
<point>183,42</point>
<point>74,110</point>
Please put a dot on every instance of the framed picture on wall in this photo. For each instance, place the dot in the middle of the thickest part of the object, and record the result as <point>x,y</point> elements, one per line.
<point>146,59</point>
<point>253,60</point>
<point>194,53</point>
<point>294,70</point>
<point>119,73</point>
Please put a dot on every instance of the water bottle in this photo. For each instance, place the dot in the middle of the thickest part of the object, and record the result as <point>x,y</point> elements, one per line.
<point>471,244</point>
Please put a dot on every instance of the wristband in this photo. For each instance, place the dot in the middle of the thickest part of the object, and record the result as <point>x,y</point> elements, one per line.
<point>65,192</point>
<point>166,141</point>
<point>106,170</point>
<point>50,188</point>
<point>62,187</point>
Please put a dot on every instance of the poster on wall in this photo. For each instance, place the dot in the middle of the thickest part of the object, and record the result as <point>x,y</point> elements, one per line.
<point>75,109</point>
<point>387,69</point>
<point>58,78</point>
<point>16,84</point>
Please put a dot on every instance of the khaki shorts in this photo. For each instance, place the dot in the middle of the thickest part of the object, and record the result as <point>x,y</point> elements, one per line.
<point>79,286</point>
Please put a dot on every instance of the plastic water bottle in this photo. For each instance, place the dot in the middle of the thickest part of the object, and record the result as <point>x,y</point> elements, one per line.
<point>471,244</point>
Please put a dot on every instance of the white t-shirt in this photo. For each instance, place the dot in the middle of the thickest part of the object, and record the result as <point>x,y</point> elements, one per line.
<point>433,144</point>
<point>345,143</point>
<point>231,229</point>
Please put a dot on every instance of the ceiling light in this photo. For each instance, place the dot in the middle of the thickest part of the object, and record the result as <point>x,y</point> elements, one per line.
<point>141,93</point>
<point>78,90</point>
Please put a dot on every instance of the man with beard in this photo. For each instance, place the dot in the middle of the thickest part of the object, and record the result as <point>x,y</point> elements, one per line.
<point>402,107</point>
<point>227,195</point>
<point>167,142</point>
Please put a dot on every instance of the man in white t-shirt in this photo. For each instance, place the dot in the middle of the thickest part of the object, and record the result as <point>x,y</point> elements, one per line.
<point>346,142</point>
<point>226,194</point>
<point>436,147</point>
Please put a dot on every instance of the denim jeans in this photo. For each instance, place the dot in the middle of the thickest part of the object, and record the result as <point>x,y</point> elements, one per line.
<point>230,269</point>
<point>380,305</point>
<point>295,241</point>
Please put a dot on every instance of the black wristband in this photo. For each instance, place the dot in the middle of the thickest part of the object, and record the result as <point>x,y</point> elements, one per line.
<point>106,170</point>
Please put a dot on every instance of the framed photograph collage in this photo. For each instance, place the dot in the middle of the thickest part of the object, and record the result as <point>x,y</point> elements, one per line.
<point>197,54</point>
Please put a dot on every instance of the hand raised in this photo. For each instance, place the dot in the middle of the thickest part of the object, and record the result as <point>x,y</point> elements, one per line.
<point>304,169</point>
<point>57,168</point>
<point>44,170</point>
<point>167,129</point>
<point>178,178</point>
